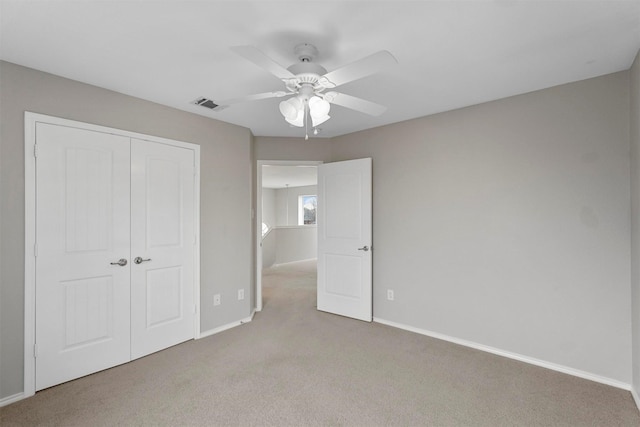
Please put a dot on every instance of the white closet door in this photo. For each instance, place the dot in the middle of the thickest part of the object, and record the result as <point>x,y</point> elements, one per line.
<point>163,240</point>
<point>82,223</point>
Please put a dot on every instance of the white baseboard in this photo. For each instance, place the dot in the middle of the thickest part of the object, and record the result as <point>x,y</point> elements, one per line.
<point>636,398</point>
<point>510,355</point>
<point>227,326</point>
<point>11,399</point>
<point>292,262</point>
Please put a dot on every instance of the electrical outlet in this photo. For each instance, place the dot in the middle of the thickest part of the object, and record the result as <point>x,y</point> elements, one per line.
<point>216,299</point>
<point>390,295</point>
<point>240,294</point>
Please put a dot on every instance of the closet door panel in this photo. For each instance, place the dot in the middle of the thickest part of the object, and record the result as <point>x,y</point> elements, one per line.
<point>82,222</point>
<point>163,241</point>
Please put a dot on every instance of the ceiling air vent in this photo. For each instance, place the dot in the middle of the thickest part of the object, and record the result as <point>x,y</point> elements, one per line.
<point>207,103</point>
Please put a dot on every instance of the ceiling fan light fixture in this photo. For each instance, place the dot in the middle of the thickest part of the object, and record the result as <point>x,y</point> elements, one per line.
<point>291,108</point>
<point>319,108</point>
<point>315,121</point>
<point>298,120</point>
<point>306,82</point>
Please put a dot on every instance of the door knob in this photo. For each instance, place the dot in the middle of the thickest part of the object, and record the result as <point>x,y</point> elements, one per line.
<point>139,260</point>
<point>121,262</point>
<point>364,248</point>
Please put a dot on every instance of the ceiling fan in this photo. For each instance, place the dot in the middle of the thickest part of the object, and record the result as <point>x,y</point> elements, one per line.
<point>306,82</point>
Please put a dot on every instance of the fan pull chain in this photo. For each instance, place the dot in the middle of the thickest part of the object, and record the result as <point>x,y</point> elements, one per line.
<point>306,122</point>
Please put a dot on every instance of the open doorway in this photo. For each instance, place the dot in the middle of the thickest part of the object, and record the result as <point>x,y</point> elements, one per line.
<point>286,202</point>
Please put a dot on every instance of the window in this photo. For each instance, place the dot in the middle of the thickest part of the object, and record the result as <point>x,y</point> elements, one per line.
<point>307,210</point>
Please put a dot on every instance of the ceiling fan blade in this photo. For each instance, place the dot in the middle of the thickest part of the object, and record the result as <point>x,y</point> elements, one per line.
<point>354,103</point>
<point>358,69</point>
<point>261,60</point>
<point>255,97</point>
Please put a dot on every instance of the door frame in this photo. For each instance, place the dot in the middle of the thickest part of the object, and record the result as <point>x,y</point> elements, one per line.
<point>30,248</point>
<point>258,247</point>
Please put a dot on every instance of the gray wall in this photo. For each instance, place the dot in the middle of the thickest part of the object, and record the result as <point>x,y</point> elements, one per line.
<point>287,242</point>
<point>296,244</point>
<point>269,148</point>
<point>269,207</point>
<point>507,223</point>
<point>635,219</point>
<point>269,249</point>
<point>226,183</point>
<point>269,218</point>
<point>287,200</point>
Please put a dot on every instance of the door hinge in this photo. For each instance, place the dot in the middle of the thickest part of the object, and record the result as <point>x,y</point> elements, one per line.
<point>35,250</point>
<point>35,150</point>
<point>35,351</point>
<point>195,309</point>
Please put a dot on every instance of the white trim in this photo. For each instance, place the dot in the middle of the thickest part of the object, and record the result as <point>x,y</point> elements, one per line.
<point>196,231</point>
<point>30,120</point>
<point>227,326</point>
<point>29,256</point>
<point>11,399</point>
<point>37,117</point>
<point>635,396</point>
<point>510,355</point>
<point>258,248</point>
<point>293,262</point>
<point>296,226</point>
<point>259,238</point>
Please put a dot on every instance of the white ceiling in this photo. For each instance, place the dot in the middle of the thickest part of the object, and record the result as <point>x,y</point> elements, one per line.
<point>292,176</point>
<point>451,54</point>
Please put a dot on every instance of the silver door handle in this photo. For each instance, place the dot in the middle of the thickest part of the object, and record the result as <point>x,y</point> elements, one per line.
<point>121,262</point>
<point>364,248</point>
<point>139,260</point>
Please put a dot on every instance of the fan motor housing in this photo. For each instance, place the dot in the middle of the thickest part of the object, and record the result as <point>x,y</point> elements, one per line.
<point>307,68</point>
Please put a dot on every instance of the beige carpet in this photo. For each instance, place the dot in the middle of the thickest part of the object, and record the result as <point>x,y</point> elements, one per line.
<point>295,366</point>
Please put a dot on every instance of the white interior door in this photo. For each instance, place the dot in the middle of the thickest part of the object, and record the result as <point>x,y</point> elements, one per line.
<point>344,239</point>
<point>82,222</point>
<point>163,246</point>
